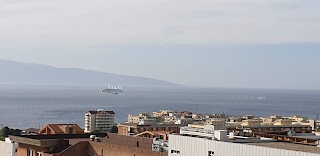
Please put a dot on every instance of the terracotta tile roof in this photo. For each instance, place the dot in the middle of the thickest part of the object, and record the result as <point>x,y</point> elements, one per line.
<point>58,128</point>
<point>76,140</point>
<point>55,128</point>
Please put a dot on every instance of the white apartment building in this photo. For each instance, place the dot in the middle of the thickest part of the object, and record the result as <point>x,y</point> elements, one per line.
<point>210,141</point>
<point>8,148</point>
<point>99,121</point>
<point>180,145</point>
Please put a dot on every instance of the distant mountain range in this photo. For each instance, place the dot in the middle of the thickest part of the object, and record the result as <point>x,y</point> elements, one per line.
<point>28,73</point>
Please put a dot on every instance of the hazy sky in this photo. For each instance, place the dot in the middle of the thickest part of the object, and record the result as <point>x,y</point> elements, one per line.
<point>219,43</point>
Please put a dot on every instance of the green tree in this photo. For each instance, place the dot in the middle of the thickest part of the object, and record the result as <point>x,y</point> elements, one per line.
<point>96,131</point>
<point>16,132</point>
<point>114,129</point>
<point>6,131</point>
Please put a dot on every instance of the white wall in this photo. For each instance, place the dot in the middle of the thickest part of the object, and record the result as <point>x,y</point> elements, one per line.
<point>191,146</point>
<point>8,149</point>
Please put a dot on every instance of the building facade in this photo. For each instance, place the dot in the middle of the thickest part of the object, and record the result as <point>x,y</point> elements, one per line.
<point>99,121</point>
<point>195,146</point>
<point>84,145</point>
<point>8,148</point>
<point>134,129</point>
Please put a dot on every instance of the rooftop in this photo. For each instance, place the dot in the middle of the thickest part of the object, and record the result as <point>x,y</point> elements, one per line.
<point>53,139</point>
<point>288,146</point>
<point>101,111</point>
<point>151,125</point>
<point>49,140</point>
<point>60,128</point>
<point>64,143</point>
<point>279,126</point>
<point>296,143</point>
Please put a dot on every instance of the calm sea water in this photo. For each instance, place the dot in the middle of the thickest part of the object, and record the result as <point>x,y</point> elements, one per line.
<point>25,106</point>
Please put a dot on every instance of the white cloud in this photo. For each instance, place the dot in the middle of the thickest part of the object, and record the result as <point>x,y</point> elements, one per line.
<point>84,22</point>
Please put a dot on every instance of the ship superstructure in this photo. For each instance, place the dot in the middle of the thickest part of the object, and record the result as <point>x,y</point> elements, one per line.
<point>112,89</point>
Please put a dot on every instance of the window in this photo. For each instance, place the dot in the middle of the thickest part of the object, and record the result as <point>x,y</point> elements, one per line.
<point>39,154</point>
<point>175,152</point>
<point>70,130</point>
<point>161,137</point>
<point>211,153</point>
<point>30,152</point>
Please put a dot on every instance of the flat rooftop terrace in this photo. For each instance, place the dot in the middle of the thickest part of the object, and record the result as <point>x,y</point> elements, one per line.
<point>52,139</point>
<point>288,146</point>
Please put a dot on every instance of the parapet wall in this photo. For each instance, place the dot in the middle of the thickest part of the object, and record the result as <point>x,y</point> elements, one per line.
<point>128,141</point>
<point>117,150</point>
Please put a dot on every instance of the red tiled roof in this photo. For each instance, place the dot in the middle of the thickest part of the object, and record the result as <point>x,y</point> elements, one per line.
<point>56,128</point>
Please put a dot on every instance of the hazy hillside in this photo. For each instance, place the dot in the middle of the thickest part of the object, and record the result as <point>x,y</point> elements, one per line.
<point>17,72</point>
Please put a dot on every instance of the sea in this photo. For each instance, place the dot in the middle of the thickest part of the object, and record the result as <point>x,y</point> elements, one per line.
<point>33,106</point>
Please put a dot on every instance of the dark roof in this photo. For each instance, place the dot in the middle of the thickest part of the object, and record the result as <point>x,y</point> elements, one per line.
<point>61,142</point>
<point>96,112</point>
<point>61,136</point>
<point>58,142</point>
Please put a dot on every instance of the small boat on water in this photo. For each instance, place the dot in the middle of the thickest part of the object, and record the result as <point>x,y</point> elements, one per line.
<point>262,98</point>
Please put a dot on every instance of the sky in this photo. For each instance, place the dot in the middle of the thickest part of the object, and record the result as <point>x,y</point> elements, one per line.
<point>210,43</point>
